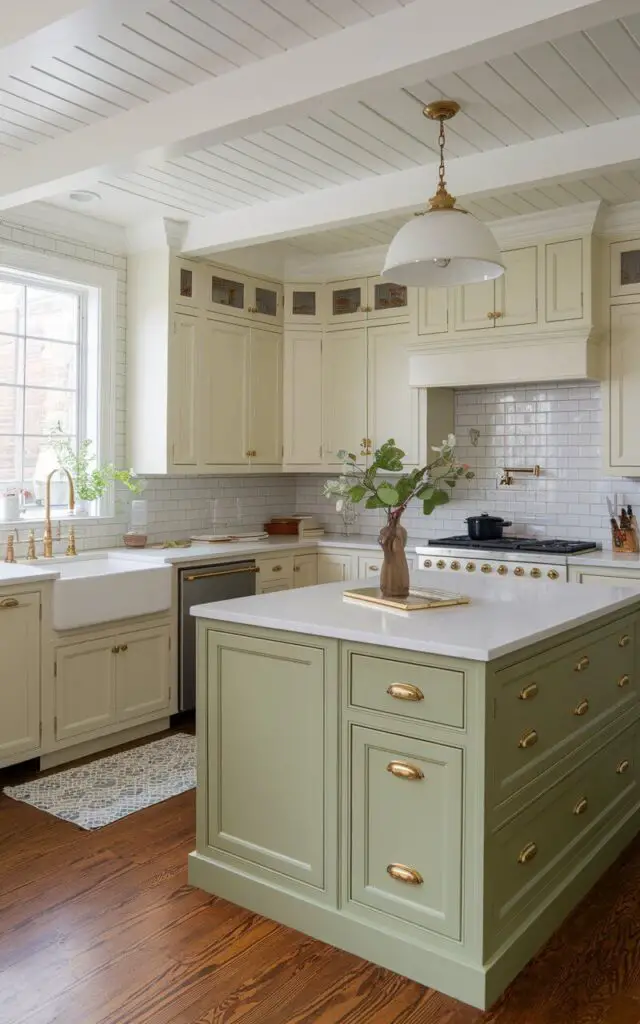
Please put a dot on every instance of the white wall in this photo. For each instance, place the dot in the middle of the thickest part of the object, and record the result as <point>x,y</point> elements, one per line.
<point>557,426</point>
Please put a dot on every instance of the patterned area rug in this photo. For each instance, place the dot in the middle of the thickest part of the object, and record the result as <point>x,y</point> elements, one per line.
<point>96,794</point>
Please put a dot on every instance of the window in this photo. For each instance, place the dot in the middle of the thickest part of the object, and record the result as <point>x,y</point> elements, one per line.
<point>53,373</point>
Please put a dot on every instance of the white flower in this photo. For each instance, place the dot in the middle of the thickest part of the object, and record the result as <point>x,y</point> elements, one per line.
<point>339,504</point>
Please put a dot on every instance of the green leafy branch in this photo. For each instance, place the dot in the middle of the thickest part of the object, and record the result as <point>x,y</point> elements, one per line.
<point>91,481</point>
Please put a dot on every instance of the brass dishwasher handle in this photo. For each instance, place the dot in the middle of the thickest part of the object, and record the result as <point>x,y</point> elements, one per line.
<point>527,853</point>
<point>528,740</point>
<point>9,602</point>
<point>405,691</point>
<point>402,873</point>
<point>581,664</point>
<point>404,771</point>
<point>222,572</point>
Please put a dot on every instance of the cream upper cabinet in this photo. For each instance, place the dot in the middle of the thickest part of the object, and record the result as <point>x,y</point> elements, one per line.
<point>183,392</point>
<point>187,285</point>
<point>433,310</point>
<point>622,417</point>
<point>564,281</point>
<point>302,398</point>
<point>19,676</point>
<point>393,408</point>
<point>142,672</point>
<point>516,291</point>
<point>625,268</point>
<point>388,301</point>
<point>227,292</point>
<point>223,383</point>
<point>264,429</point>
<point>474,306</point>
<point>265,302</point>
<point>303,305</point>
<point>344,393</point>
<point>347,301</point>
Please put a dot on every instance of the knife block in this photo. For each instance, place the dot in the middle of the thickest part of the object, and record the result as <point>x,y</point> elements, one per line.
<point>625,541</point>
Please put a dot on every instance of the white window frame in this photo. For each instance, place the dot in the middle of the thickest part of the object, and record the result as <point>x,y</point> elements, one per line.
<point>99,308</point>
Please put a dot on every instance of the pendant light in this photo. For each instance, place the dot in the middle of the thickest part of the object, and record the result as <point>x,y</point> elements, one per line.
<point>445,245</point>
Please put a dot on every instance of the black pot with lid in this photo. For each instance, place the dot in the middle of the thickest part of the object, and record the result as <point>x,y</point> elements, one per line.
<point>486,527</point>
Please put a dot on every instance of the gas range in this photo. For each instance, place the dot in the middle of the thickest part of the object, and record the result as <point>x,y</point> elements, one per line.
<point>520,557</point>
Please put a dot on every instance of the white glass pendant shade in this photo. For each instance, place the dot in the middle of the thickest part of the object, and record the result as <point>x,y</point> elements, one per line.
<point>441,248</point>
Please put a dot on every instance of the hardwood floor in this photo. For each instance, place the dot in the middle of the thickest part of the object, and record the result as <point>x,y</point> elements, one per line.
<point>102,928</point>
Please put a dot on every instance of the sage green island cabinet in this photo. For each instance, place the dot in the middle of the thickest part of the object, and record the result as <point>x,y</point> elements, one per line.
<point>433,791</point>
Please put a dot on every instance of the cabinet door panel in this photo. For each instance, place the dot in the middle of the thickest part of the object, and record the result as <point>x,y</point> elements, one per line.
<point>344,392</point>
<point>393,407</point>
<point>412,822</point>
<point>187,282</point>
<point>625,267</point>
<point>517,290</point>
<point>303,398</point>
<point>85,687</point>
<point>227,292</point>
<point>266,728</point>
<point>142,673</point>
<point>305,569</point>
<point>183,390</point>
<point>433,310</point>
<point>266,303</point>
<point>473,303</point>
<point>303,304</point>
<point>334,568</point>
<point>388,301</point>
<point>564,281</point>
<point>624,387</point>
<point>19,676</point>
<point>347,300</point>
<point>265,397</point>
<point>222,388</point>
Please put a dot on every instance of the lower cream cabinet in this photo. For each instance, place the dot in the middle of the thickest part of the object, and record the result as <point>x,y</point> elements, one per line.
<point>305,570</point>
<point>19,676</point>
<point>335,567</point>
<point>370,566</point>
<point>608,577</point>
<point>115,678</point>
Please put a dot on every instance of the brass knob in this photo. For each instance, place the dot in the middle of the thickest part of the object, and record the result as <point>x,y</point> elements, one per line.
<point>502,570</point>
<point>581,806</point>
<point>528,692</point>
<point>9,602</point>
<point>296,568</point>
<point>404,771</point>
<point>486,568</point>
<point>455,565</point>
<point>124,647</point>
<point>581,708</point>
<point>623,681</point>
<point>470,566</point>
<point>497,314</point>
<point>518,571</point>
<point>527,853</point>
<point>276,568</point>
<point>404,874</point>
<point>622,767</point>
<point>624,640</point>
<point>536,573</point>
<point>427,563</point>
<point>441,564</point>
<point>581,664</point>
<point>405,691</point>
<point>529,739</point>
<point>248,454</point>
<point>553,574</point>
<point>115,650</point>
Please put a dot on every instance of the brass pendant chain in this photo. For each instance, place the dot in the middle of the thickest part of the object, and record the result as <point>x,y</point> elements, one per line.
<point>441,200</point>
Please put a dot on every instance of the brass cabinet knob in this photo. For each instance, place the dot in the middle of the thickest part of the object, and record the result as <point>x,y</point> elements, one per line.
<point>624,640</point>
<point>581,708</point>
<point>486,568</point>
<point>518,571</point>
<point>9,602</point>
<point>441,564</point>
<point>497,314</point>
<point>470,566</point>
<point>553,574</point>
<point>622,767</point>
<point>276,568</point>
<point>581,806</point>
<point>490,316</point>
<point>247,454</point>
<point>623,681</point>
<point>581,664</point>
<point>405,691</point>
<point>427,563</point>
<point>528,692</point>
<point>296,568</point>
<point>455,565</point>
<point>124,647</point>
<point>115,650</point>
<point>529,739</point>
<point>527,853</point>
<point>404,874</point>
<point>536,573</point>
<point>401,770</point>
<point>502,570</point>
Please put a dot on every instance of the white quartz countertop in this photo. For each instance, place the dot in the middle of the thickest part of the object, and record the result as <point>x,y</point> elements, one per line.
<point>11,573</point>
<point>607,560</point>
<point>503,615</point>
<point>234,550</point>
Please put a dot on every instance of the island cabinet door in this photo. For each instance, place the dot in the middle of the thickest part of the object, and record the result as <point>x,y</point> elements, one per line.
<point>267,722</point>
<point>406,829</point>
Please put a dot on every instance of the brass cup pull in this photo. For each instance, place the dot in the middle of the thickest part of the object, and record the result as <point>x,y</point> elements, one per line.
<point>124,647</point>
<point>527,853</point>
<point>9,602</point>
<point>276,568</point>
<point>405,691</point>
<point>374,568</point>
<point>528,692</point>
<point>581,708</point>
<point>529,739</point>
<point>624,640</point>
<point>581,664</point>
<point>622,767</point>
<point>623,681</point>
<point>402,770</point>
<point>402,873</point>
<point>581,806</point>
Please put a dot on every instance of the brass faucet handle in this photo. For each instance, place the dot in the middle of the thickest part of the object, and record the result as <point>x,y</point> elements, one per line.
<point>9,555</point>
<point>71,546</point>
<point>31,548</point>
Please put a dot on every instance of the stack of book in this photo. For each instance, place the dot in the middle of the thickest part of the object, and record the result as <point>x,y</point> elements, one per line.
<point>309,527</point>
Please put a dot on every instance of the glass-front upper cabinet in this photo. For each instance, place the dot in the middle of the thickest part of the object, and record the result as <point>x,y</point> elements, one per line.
<point>303,304</point>
<point>265,301</point>
<point>625,267</point>
<point>187,283</point>
<point>388,301</point>
<point>347,301</point>
<point>227,292</point>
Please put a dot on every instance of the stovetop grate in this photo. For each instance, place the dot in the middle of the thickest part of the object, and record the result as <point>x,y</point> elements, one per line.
<point>549,546</point>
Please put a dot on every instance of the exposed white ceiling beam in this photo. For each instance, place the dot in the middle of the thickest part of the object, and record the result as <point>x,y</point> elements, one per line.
<point>20,20</point>
<point>573,154</point>
<point>400,47</point>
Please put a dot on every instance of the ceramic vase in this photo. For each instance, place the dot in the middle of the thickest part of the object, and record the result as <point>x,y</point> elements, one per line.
<point>394,576</point>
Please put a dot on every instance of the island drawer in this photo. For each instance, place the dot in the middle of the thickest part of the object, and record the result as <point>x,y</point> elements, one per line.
<point>274,569</point>
<point>413,689</point>
<point>406,838</point>
<point>534,850</point>
<point>548,705</point>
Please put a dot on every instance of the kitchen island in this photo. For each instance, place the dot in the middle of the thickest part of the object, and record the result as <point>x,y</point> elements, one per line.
<point>431,790</point>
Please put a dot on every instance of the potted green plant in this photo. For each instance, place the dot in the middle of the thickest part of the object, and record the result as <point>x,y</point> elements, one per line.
<point>431,485</point>
<point>90,480</point>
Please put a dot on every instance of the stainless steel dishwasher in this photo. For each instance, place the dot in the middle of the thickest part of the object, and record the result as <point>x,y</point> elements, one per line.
<point>202,585</point>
